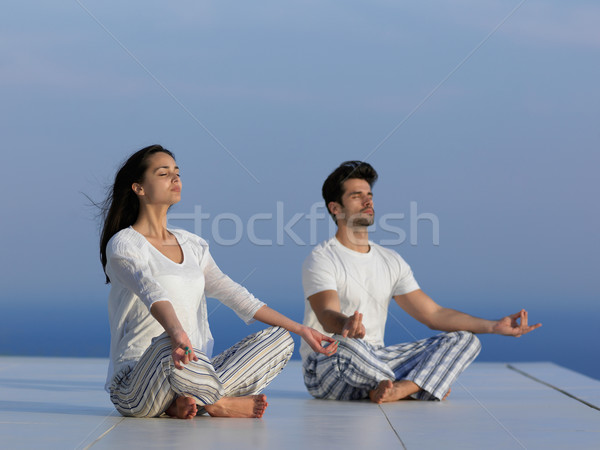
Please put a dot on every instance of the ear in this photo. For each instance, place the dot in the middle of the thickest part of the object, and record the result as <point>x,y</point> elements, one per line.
<point>334,208</point>
<point>137,188</point>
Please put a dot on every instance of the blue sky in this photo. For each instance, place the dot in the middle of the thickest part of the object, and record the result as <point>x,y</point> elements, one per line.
<point>482,115</point>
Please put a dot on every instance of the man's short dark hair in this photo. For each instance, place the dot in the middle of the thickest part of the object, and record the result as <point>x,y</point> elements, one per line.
<point>333,187</point>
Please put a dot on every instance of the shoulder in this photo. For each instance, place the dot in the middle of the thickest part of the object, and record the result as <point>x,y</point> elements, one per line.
<point>321,254</point>
<point>126,242</point>
<point>324,248</point>
<point>383,251</point>
<point>187,237</point>
<point>192,241</point>
<point>387,254</point>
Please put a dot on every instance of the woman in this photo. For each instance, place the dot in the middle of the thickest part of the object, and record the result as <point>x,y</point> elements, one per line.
<point>160,339</point>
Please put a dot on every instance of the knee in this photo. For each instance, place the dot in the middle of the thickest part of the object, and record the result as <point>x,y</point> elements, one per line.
<point>352,353</point>
<point>282,335</point>
<point>350,346</point>
<point>346,343</point>
<point>284,340</point>
<point>468,339</point>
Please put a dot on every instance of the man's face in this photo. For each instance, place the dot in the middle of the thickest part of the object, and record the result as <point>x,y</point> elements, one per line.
<point>356,209</point>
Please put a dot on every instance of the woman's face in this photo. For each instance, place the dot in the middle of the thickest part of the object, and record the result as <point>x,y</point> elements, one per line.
<point>161,183</point>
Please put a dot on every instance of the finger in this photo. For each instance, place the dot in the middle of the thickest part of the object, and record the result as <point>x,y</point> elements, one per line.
<point>186,352</point>
<point>533,327</point>
<point>354,329</point>
<point>330,349</point>
<point>356,318</point>
<point>176,362</point>
<point>331,346</point>
<point>192,355</point>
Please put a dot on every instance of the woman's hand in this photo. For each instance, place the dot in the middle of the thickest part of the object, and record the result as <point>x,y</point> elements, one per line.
<point>182,352</point>
<point>315,339</point>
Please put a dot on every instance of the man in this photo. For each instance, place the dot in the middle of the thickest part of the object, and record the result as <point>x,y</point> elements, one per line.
<point>349,281</point>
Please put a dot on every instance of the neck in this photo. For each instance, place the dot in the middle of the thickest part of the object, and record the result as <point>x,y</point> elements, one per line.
<point>356,239</point>
<point>152,222</point>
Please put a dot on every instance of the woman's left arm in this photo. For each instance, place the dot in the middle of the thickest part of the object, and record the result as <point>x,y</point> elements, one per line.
<point>182,349</point>
<point>311,336</point>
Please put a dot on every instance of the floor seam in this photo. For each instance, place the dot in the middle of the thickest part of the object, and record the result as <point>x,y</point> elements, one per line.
<point>112,414</point>
<point>392,427</point>
<point>489,413</point>
<point>562,391</point>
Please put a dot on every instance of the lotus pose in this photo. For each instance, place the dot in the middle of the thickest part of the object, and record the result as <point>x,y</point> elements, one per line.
<point>348,284</point>
<point>161,344</point>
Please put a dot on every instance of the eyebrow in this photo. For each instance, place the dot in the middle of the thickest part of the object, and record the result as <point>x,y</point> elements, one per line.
<point>164,167</point>
<point>360,192</point>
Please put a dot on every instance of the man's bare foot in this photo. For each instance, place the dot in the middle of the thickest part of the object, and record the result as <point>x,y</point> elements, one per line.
<point>388,391</point>
<point>382,391</point>
<point>251,406</point>
<point>183,408</point>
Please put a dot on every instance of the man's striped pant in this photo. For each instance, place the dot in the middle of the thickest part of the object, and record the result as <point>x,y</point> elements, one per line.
<point>358,367</point>
<point>149,388</point>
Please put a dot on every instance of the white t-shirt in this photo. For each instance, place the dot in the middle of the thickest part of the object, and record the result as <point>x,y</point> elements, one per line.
<point>140,275</point>
<point>365,282</point>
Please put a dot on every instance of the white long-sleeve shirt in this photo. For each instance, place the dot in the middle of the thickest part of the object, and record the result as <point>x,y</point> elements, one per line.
<point>140,275</point>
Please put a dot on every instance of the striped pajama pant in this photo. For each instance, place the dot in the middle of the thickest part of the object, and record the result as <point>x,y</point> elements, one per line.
<point>149,388</point>
<point>358,367</point>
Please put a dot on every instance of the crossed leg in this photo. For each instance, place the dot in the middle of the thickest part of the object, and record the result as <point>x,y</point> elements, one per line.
<point>243,371</point>
<point>423,369</point>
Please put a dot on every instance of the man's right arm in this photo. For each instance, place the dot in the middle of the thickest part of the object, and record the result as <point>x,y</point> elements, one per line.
<point>326,305</point>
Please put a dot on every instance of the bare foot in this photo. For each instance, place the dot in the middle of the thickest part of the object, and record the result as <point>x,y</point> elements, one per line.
<point>388,391</point>
<point>382,391</point>
<point>447,394</point>
<point>183,408</point>
<point>251,406</point>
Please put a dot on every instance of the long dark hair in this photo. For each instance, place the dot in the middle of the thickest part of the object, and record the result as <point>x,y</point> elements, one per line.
<point>121,207</point>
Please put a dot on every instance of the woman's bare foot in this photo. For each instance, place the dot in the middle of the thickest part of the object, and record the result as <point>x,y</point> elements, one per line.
<point>388,391</point>
<point>250,406</point>
<point>183,408</point>
<point>447,394</point>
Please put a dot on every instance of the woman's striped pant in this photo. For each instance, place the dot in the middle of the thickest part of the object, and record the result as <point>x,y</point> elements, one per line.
<point>149,388</point>
<point>432,364</point>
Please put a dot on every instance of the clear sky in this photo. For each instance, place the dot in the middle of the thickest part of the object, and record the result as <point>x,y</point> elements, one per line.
<point>480,117</point>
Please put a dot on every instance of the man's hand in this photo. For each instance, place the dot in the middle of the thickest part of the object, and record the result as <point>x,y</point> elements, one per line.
<point>353,327</point>
<point>510,326</point>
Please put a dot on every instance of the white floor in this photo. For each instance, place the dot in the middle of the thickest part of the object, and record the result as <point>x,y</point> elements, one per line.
<point>60,403</point>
